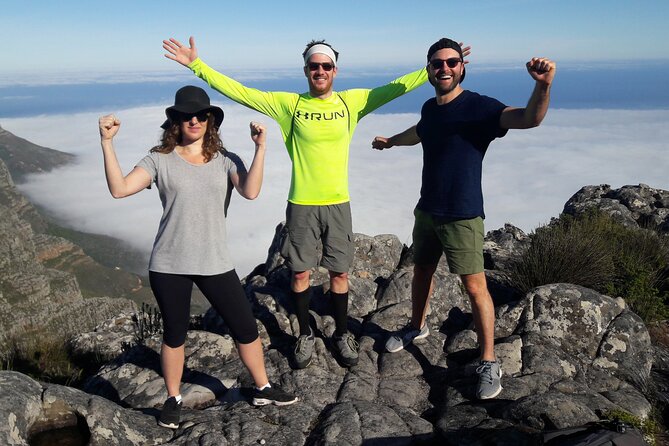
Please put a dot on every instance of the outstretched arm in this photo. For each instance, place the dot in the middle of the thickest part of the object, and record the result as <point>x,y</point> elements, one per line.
<point>248,184</point>
<point>542,71</point>
<point>119,186</point>
<point>409,137</point>
<point>272,104</point>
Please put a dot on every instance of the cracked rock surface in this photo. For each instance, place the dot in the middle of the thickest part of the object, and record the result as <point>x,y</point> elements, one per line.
<point>568,354</point>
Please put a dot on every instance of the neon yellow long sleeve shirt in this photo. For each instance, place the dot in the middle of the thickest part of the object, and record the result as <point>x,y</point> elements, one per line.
<point>316,132</point>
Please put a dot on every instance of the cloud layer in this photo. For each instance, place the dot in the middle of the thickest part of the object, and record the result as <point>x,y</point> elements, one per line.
<point>528,175</point>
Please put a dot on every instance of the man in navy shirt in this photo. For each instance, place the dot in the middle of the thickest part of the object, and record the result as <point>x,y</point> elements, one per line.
<point>455,129</point>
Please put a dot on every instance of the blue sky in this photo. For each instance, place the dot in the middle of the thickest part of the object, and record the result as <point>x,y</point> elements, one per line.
<point>82,36</point>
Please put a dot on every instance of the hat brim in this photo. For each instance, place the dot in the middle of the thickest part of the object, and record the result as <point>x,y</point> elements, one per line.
<point>192,108</point>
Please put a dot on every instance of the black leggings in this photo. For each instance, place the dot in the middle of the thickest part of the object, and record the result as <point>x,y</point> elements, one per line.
<point>223,291</point>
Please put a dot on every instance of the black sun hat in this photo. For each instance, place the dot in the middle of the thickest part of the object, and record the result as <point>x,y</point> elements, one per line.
<point>191,100</point>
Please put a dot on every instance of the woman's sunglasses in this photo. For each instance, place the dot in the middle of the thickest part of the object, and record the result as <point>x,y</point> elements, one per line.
<point>187,117</point>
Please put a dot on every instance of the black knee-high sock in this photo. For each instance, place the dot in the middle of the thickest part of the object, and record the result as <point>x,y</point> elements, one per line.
<point>302,300</point>
<point>340,310</point>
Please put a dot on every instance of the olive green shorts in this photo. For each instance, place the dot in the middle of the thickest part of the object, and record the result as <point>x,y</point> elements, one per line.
<point>306,225</point>
<point>460,240</point>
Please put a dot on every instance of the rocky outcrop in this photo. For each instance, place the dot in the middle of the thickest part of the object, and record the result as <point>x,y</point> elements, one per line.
<point>504,246</point>
<point>25,284</point>
<point>568,354</point>
<point>632,206</point>
<point>29,407</point>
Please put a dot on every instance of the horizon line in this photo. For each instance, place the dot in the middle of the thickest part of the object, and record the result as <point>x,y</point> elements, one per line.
<point>28,78</point>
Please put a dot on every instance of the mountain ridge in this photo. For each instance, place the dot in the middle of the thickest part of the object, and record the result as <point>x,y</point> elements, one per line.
<point>24,157</point>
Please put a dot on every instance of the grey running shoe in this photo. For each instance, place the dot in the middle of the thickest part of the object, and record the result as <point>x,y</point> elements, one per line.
<point>304,348</point>
<point>490,375</point>
<point>347,349</point>
<point>405,336</point>
<point>272,395</point>
<point>169,416</point>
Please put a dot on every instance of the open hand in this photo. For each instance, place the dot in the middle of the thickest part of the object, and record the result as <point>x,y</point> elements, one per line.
<point>466,51</point>
<point>177,51</point>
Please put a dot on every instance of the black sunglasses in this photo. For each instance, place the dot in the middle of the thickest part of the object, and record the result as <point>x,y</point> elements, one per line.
<point>200,116</point>
<point>451,62</point>
<point>313,66</point>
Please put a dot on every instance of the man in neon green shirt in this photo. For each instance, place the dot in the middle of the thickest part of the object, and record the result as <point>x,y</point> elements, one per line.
<point>317,128</point>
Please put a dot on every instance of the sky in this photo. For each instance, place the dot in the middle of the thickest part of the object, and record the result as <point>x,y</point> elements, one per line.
<point>528,175</point>
<point>79,36</point>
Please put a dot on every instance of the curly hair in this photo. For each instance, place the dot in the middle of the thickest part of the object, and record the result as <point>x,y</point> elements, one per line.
<point>171,138</point>
<point>320,42</point>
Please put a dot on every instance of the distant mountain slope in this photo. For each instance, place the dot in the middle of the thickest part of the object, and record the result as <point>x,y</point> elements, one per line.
<point>23,157</point>
<point>38,268</point>
<point>102,265</point>
<point>42,261</point>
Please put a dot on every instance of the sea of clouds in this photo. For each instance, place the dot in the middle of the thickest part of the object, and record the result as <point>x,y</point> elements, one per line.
<point>528,175</point>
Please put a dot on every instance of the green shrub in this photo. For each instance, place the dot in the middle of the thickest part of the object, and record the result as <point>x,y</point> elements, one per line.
<point>594,251</point>
<point>44,358</point>
<point>641,263</point>
<point>47,357</point>
<point>566,251</point>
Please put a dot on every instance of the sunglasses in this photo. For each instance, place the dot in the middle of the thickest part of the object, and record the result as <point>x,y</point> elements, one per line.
<point>313,66</point>
<point>201,116</point>
<point>451,62</point>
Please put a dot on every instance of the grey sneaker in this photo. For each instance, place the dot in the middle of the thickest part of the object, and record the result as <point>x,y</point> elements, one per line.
<point>405,336</point>
<point>490,375</point>
<point>304,348</point>
<point>347,349</point>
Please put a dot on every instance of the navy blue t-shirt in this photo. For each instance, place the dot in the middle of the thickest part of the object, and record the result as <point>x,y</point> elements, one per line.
<point>455,137</point>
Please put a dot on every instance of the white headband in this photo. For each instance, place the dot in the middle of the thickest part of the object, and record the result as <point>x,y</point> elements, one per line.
<point>320,49</point>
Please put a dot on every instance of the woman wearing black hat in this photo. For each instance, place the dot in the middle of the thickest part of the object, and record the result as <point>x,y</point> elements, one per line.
<point>194,175</point>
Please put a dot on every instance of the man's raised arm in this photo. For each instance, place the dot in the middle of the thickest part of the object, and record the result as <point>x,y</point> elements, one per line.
<point>542,71</point>
<point>271,104</point>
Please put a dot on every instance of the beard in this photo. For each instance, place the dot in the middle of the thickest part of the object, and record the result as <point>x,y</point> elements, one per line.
<point>455,81</point>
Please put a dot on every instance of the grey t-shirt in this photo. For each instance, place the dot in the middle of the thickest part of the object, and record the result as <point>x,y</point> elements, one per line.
<point>191,236</point>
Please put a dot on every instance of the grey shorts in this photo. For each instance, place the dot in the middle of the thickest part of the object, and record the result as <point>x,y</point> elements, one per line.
<point>460,240</point>
<point>306,225</point>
